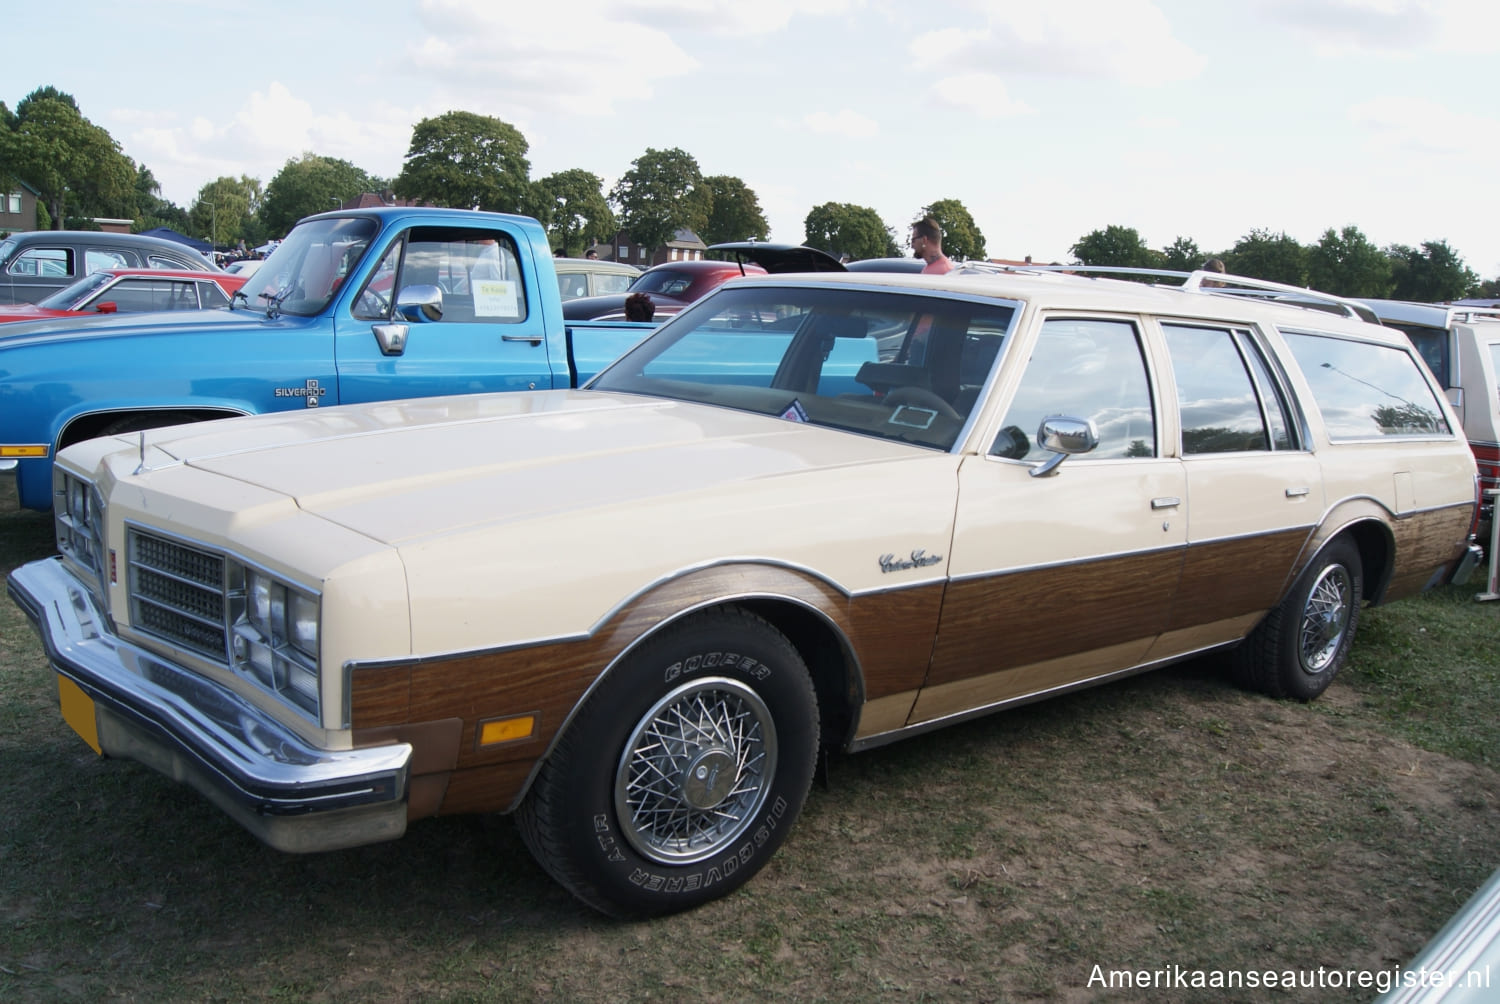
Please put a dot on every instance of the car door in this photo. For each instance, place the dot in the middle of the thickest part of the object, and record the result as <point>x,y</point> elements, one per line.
<point>491,335</point>
<point>1059,579</point>
<point>1254,489</point>
<point>38,270</point>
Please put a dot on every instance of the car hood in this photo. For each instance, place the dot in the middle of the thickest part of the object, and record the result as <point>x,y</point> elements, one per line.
<point>78,325</point>
<point>400,472</point>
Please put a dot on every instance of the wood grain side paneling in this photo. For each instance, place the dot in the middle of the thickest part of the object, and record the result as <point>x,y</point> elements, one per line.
<point>891,634</point>
<point>1427,543</point>
<point>1007,621</point>
<point>1224,579</point>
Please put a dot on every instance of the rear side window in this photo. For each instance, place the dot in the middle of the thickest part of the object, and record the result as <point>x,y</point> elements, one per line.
<point>97,259</point>
<point>1225,391</point>
<point>1364,390</point>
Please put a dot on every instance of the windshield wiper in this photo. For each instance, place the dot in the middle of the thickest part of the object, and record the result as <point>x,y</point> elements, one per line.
<point>273,301</point>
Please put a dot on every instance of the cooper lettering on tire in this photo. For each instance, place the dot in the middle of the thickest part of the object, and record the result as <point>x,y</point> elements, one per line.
<point>682,773</point>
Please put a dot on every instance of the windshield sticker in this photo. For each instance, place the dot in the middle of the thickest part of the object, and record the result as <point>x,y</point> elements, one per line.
<point>913,417</point>
<point>795,412</point>
<point>495,298</point>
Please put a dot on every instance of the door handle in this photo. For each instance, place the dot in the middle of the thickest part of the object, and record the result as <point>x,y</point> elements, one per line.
<point>1166,502</point>
<point>391,338</point>
<point>533,339</point>
<point>1296,493</point>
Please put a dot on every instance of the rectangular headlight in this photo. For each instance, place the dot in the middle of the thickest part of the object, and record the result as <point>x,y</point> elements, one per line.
<point>276,639</point>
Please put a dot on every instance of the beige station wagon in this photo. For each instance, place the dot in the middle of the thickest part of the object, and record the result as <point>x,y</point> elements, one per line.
<point>808,513</point>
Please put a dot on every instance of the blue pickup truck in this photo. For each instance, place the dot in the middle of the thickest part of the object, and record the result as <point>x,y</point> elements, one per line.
<point>352,307</point>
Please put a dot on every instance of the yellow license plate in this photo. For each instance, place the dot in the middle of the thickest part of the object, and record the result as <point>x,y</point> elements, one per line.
<point>78,711</point>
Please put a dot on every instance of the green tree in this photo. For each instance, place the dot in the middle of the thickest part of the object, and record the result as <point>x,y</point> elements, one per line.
<point>467,161</point>
<point>1261,254</point>
<point>735,214</point>
<point>151,210</point>
<point>961,237</point>
<point>1182,255</point>
<point>224,207</point>
<point>1431,274</point>
<point>571,205</point>
<point>1345,263</point>
<point>1115,246</point>
<point>75,166</point>
<point>306,185</point>
<point>841,228</point>
<point>663,192</point>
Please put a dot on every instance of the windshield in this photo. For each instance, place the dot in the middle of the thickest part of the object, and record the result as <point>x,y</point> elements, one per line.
<point>667,281</point>
<point>70,297</point>
<point>307,268</point>
<point>891,365</point>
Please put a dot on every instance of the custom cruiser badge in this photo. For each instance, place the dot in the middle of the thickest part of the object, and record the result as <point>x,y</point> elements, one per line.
<point>311,391</point>
<point>918,559</point>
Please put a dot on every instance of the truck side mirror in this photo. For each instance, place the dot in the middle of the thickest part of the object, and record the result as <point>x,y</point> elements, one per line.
<point>420,303</point>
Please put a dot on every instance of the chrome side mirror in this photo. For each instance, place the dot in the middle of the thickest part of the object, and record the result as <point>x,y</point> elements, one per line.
<point>420,303</point>
<point>1063,436</point>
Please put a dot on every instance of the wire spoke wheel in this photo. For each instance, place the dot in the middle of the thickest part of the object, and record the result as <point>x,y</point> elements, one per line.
<point>695,771</point>
<point>1325,618</point>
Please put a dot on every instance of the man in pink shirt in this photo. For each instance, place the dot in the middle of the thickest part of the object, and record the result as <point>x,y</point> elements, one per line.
<point>927,244</point>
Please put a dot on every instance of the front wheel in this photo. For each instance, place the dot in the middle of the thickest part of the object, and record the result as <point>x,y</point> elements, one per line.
<point>683,771</point>
<point>1301,645</point>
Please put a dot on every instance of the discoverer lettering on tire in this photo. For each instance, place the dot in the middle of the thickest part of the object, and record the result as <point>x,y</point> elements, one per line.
<point>682,773</point>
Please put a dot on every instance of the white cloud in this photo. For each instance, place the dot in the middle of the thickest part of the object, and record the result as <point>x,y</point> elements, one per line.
<point>723,17</point>
<point>1391,27</point>
<point>1416,127</point>
<point>981,94</point>
<point>505,55</point>
<point>843,122</point>
<point>1125,40</point>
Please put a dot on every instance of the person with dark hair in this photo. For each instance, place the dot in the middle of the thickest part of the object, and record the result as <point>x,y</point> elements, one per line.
<point>591,254</point>
<point>1213,265</point>
<point>638,307</point>
<point>927,244</point>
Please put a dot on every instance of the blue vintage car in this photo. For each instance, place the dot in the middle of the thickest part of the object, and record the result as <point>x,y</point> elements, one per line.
<point>352,307</point>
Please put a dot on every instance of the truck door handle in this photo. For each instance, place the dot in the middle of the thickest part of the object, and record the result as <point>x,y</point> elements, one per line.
<point>1296,493</point>
<point>391,338</point>
<point>1166,502</point>
<point>533,339</point>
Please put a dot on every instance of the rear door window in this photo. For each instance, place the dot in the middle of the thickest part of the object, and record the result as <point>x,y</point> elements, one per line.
<point>1227,397</point>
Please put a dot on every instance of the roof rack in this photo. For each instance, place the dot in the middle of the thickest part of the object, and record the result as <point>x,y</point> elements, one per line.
<point>1201,281</point>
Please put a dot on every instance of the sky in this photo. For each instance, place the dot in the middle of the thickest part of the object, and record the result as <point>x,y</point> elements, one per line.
<point>1203,119</point>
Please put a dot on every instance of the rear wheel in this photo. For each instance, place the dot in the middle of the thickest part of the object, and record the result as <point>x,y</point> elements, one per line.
<point>682,773</point>
<point>1301,645</point>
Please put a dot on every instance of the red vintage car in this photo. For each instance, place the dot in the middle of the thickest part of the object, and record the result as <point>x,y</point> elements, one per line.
<point>131,290</point>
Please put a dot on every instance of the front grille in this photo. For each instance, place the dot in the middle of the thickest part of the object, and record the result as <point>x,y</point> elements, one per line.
<point>179,594</point>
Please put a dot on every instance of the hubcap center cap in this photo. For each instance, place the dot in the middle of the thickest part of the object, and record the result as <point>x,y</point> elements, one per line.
<point>709,778</point>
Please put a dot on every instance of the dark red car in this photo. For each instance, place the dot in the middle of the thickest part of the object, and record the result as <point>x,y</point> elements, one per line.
<point>671,286</point>
<point>131,290</point>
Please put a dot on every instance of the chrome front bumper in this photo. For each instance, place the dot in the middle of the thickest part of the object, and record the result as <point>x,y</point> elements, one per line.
<point>292,795</point>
